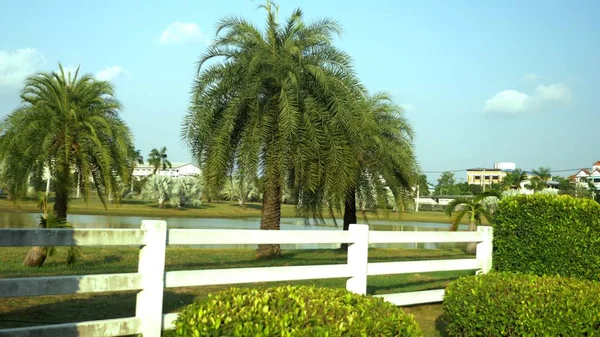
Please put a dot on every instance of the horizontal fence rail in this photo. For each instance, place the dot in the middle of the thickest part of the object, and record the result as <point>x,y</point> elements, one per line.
<point>253,236</point>
<point>151,278</point>
<point>71,237</point>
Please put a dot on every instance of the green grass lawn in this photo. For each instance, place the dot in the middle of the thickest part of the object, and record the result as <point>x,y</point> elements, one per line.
<point>222,209</point>
<point>17,312</point>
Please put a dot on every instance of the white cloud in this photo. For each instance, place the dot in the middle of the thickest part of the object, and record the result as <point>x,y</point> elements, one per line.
<point>110,73</point>
<point>182,32</point>
<point>16,65</point>
<point>407,107</point>
<point>530,77</point>
<point>514,102</point>
<point>553,93</point>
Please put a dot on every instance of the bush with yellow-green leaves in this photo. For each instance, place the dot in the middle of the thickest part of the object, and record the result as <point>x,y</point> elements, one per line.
<point>294,311</point>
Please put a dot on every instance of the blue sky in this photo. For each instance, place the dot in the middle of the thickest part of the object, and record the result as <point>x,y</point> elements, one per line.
<point>481,82</point>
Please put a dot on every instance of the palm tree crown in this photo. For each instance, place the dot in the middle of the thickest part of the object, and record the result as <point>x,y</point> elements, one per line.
<point>68,124</point>
<point>279,103</point>
<point>158,159</point>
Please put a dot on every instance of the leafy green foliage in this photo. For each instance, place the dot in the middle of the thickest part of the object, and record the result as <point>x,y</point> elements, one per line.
<point>445,182</point>
<point>546,234</point>
<point>294,311</point>
<point>512,304</point>
<point>423,185</point>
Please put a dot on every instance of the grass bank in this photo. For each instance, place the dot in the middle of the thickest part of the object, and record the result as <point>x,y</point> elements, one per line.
<point>222,209</point>
<point>18,312</point>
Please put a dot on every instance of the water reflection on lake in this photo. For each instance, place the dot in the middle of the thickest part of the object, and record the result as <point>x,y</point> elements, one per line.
<point>30,220</point>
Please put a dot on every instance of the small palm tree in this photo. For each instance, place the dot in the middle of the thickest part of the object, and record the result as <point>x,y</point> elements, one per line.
<point>37,255</point>
<point>158,188</point>
<point>186,192</point>
<point>158,159</point>
<point>474,209</point>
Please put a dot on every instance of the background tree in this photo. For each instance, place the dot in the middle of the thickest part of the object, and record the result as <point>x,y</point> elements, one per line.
<point>136,159</point>
<point>158,159</point>
<point>278,103</point>
<point>540,179</point>
<point>514,179</point>
<point>475,209</point>
<point>423,185</point>
<point>187,192</point>
<point>386,163</point>
<point>68,124</point>
<point>241,190</point>
<point>445,183</point>
<point>157,188</point>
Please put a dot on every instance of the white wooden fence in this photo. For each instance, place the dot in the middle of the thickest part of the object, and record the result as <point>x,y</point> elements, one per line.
<point>151,279</point>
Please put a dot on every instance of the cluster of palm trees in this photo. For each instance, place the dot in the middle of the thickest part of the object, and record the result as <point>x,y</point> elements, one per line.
<point>286,105</point>
<point>280,106</point>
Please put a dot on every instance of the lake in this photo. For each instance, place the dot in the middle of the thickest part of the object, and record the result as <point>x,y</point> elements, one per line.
<point>30,220</point>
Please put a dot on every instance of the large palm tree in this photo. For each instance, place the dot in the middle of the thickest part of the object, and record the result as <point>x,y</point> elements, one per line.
<point>475,209</point>
<point>278,103</point>
<point>68,124</point>
<point>158,159</point>
<point>386,160</point>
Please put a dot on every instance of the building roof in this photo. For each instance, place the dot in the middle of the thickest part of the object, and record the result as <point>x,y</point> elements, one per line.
<point>586,171</point>
<point>173,165</point>
<point>596,163</point>
<point>483,169</point>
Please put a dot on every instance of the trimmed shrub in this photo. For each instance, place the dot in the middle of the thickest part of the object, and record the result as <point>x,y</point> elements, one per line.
<point>513,304</point>
<point>294,311</point>
<point>548,235</point>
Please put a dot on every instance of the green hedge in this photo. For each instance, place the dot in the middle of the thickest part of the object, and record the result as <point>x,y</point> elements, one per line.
<point>512,304</point>
<point>548,235</point>
<point>294,311</point>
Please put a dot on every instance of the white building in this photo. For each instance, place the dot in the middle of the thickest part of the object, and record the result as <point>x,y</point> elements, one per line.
<point>585,176</point>
<point>177,170</point>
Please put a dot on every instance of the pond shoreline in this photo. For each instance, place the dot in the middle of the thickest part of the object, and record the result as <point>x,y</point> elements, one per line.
<point>222,209</point>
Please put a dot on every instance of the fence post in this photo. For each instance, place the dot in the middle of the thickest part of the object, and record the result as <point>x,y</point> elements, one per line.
<point>358,258</point>
<point>151,268</point>
<point>484,249</point>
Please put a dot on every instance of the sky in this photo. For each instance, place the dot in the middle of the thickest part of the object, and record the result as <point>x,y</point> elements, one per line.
<point>480,82</point>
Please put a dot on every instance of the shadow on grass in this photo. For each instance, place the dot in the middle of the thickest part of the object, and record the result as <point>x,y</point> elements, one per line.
<point>79,308</point>
<point>372,290</point>
<point>440,325</point>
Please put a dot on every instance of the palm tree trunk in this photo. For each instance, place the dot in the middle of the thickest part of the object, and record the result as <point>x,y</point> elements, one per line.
<point>270,219</point>
<point>472,246</point>
<point>35,257</point>
<point>60,202</point>
<point>349,214</point>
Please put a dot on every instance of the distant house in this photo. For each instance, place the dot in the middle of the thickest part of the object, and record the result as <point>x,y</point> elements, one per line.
<point>585,176</point>
<point>177,170</point>
<point>489,176</point>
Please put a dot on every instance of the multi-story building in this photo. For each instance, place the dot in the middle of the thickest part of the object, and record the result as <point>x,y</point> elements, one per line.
<point>489,176</point>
